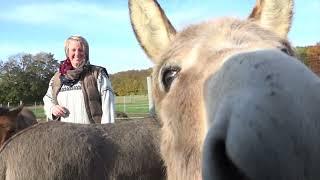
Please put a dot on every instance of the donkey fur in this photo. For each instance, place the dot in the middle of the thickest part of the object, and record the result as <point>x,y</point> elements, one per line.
<point>63,151</point>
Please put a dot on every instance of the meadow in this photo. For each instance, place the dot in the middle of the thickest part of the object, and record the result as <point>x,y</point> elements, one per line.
<point>134,106</point>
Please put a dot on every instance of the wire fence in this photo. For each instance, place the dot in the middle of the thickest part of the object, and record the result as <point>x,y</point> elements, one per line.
<point>134,106</point>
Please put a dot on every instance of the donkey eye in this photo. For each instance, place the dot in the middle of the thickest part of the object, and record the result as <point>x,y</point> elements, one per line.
<point>168,76</point>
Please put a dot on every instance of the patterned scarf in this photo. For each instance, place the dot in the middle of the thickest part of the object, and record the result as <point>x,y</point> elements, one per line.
<point>70,75</point>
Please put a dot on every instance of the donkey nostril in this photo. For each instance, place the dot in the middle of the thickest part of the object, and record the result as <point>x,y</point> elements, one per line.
<point>217,163</point>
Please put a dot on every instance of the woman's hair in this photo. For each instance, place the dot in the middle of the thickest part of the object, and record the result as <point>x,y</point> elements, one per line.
<point>82,41</point>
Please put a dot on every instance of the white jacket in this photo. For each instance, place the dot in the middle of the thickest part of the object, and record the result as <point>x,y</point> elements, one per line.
<point>72,99</point>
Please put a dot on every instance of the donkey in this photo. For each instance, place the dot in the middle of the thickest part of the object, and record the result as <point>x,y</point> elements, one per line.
<point>234,101</point>
<point>64,151</point>
<point>14,120</point>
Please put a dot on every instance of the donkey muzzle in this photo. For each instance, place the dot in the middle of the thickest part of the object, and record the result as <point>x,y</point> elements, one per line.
<point>263,119</point>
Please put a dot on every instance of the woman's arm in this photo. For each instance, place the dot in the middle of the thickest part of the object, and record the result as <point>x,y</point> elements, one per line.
<point>107,98</point>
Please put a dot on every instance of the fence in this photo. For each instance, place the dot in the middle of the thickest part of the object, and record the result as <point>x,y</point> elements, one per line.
<point>135,106</point>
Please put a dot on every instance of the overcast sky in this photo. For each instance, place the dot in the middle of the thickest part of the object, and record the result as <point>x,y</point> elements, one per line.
<point>32,26</point>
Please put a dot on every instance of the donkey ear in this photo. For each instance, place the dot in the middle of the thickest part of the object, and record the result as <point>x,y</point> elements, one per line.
<point>275,15</point>
<point>152,28</point>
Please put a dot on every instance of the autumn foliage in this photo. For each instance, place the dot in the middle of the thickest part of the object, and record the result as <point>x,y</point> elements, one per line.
<point>313,56</point>
<point>310,55</point>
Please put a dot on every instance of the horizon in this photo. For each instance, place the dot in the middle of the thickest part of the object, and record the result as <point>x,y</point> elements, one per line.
<point>33,26</point>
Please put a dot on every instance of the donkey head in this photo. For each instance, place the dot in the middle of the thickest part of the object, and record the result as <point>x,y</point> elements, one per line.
<point>14,120</point>
<point>8,125</point>
<point>233,100</point>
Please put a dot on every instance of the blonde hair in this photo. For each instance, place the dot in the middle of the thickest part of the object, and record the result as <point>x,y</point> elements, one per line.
<point>82,41</point>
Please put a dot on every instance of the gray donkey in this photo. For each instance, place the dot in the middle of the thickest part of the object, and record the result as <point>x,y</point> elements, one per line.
<point>234,101</point>
<point>64,151</point>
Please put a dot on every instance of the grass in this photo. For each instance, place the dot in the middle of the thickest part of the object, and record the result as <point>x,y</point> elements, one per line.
<point>39,112</point>
<point>133,106</point>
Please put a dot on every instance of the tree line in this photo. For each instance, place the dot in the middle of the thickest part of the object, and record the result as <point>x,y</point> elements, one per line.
<point>310,55</point>
<point>25,77</point>
<point>132,82</point>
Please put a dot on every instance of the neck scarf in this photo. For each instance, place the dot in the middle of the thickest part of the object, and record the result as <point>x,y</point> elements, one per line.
<point>70,75</point>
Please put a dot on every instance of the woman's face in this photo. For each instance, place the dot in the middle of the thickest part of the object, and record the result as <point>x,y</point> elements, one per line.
<point>76,53</point>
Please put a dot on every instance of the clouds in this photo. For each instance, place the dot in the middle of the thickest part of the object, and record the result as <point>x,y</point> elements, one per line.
<point>61,13</point>
<point>13,48</point>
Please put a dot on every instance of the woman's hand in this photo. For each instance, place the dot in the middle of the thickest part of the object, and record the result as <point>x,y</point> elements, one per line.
<point>59,111</point>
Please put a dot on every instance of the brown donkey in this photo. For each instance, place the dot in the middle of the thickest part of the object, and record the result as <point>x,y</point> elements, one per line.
<point>13,121</point>
<point>234,101</point>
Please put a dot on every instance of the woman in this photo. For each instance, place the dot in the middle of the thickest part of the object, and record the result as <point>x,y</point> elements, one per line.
<point>79,92</point>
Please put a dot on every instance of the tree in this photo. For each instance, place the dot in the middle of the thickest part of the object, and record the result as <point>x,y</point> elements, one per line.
<point>132,82</point>
<point>313,55</point>
<point>25,77</point>
<point>302,54</point>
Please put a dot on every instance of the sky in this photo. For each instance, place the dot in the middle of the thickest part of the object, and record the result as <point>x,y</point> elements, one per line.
<point>33,26</point>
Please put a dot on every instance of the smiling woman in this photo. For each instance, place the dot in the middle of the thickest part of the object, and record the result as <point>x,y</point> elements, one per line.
<point>79,92</point>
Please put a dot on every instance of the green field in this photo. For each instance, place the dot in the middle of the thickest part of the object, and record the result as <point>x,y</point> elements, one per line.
<point>133,106</point>
<point>38,111</point>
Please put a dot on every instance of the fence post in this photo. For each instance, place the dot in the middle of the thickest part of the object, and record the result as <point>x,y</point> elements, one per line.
<point>151,104</point>
<point>35,107</point>
<point>124,104</point>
